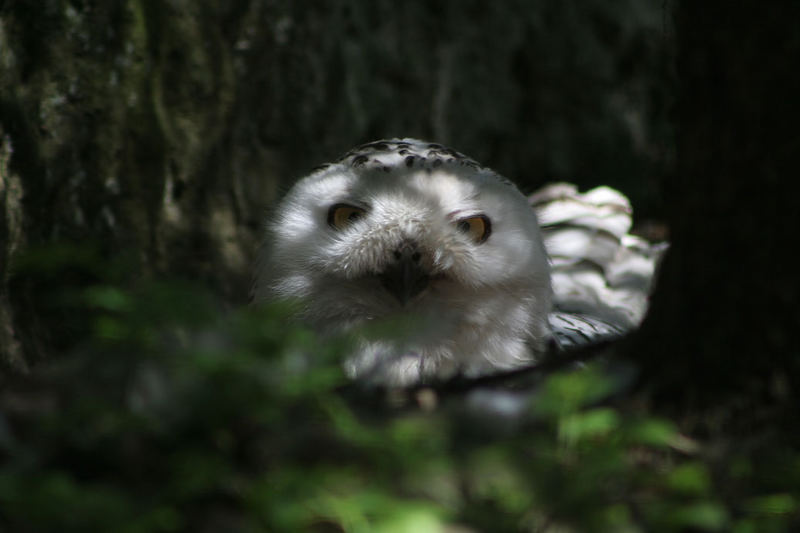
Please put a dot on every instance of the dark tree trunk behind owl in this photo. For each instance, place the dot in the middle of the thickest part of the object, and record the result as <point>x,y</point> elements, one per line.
<point>725,318</point>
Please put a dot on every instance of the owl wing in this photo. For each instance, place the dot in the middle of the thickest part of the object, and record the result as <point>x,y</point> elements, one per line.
<point>602,276</point>
<point>573,330</point>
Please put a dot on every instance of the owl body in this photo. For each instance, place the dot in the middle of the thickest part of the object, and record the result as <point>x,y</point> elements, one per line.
<point>434,264</point>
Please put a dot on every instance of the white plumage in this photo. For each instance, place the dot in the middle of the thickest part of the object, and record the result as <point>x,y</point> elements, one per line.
<point>435,264</point>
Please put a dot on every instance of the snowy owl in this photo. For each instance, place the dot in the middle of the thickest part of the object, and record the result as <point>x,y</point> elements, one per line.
<point>435,265</point>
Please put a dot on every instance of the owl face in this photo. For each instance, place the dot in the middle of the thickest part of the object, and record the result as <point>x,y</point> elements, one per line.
<point>447,251</point>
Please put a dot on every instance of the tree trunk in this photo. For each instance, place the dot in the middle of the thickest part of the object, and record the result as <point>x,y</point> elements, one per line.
<point>725,316</point>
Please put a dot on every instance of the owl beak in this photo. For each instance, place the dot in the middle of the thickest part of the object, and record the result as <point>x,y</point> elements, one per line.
<point>405,277</point>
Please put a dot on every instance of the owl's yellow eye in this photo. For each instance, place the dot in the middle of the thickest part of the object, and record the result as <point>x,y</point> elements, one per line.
<point>340,215</point>
<point>478,227</point>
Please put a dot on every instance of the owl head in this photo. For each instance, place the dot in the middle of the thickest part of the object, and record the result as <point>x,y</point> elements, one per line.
<point>433,263</point>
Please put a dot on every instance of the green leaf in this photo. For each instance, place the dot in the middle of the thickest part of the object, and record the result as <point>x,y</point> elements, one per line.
<point>704,515</point>
<point>690,478</point>
<point>108,298</point>
<point>653,432</point>
<point>773,504</point>
<point>109,328</point>
<point>567,393</point>
<point>413,520</point>
<point>587,425</point>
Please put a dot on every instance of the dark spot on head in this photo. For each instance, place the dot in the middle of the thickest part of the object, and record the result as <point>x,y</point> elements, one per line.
<point>386,169</point>
<point>403,152</point>
<point>410,160</point>
<point>377,145</point>
<point>437,162</point>
<point>434,146</point>
<point>359,160</point>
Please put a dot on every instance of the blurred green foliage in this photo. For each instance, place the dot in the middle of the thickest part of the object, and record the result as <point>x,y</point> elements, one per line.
<point>173,415</point>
